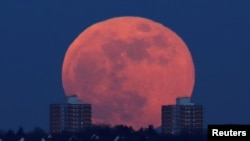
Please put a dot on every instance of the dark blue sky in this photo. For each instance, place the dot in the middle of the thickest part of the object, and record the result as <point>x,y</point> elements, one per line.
<point>34,36</point>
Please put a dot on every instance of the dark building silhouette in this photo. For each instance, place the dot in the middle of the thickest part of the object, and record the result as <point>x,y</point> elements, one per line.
<point>72,116</point>
<point>184,117</point>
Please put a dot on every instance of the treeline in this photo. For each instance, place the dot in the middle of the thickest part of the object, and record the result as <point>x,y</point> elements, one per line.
<point>101,133</point>
<point>36,135</point>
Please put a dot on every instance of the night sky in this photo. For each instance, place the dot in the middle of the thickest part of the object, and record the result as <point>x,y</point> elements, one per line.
<point>34,36</point>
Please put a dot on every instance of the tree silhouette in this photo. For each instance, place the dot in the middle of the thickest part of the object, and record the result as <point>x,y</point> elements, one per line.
<point>123,130</point>
<point>39,131</point>
<point>20,132</point>
<point>9,136</point>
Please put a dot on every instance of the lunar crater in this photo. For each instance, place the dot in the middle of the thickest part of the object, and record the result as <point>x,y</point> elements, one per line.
<point>143,27</point>
<point>116,81</point>
<point>163,61</point>
<point>119,65</point>
<point>160,41</point>
<point>135,50</point>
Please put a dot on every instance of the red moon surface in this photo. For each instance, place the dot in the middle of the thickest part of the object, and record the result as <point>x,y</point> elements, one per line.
<point>127,68</point>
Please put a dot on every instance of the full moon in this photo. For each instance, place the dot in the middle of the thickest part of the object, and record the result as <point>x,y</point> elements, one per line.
<point>127,68</point>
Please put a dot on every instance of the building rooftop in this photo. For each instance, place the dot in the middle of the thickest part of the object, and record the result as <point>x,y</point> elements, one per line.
<point>184,101</point>
<point>72,100</point>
